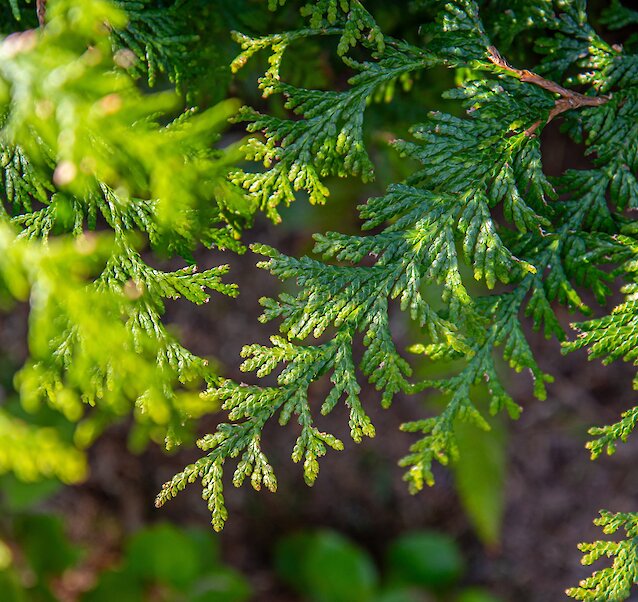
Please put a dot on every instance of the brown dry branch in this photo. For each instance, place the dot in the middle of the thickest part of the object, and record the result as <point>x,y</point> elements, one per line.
<point>41,11</point>
<point>569,99</point>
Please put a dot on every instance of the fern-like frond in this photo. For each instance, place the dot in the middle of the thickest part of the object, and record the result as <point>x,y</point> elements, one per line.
<point>613,583</point>
<point>328,136</point>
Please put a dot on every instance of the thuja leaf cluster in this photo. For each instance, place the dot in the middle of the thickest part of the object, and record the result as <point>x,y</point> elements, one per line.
<point>107,168</point>
<point>478,207</point>
<point>104,154</point>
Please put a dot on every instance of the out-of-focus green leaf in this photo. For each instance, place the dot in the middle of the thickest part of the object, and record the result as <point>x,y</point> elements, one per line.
<point>290,558</point>
<point>427,559</point>
<point>402,594</point>
<point>45,544</point>
<point>122,586</point>
<point>164,554</point>
<point>17,495</point>
<point>476,595</point>
<point>221,585</point>
<point>326,567</point>
<point>480,477</point>
<point>10,588</point>
<point>6,556</point>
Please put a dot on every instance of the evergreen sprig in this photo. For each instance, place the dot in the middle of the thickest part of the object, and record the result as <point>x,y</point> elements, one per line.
<point>467,245</point>
<point>83,149</point>
<point>480,199</point>
<point>613,583</point>
<point>357,24</point>
<point>326,138</point>
<point>441,219</point>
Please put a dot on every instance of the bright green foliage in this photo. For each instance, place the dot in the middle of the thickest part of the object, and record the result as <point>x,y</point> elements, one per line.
<point>327,138</point>
<point>478,205</point>
<point>84,149</point>
<point>437,221</point>
<point>32,453</point>
<point>474,240</point>
<point>61,99</point>
<point>612,583</point>
<point>79,341</point>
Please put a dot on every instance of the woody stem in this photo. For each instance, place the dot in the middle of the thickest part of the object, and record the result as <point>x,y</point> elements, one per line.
<point>569,99</point>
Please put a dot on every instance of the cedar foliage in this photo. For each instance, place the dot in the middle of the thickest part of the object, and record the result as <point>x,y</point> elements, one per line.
<point>92,168</point>
<point>437,228</point>
<point>476,240</point>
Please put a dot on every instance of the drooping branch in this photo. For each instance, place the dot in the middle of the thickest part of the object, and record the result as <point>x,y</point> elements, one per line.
<point>569,99</point>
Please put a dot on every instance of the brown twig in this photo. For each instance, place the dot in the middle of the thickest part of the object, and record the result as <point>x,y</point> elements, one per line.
<point>569,99</point>
<point>41,11</point>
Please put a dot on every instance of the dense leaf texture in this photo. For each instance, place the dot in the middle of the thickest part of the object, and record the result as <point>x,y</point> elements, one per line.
<point>474,240</point>
<point>477,205</point>
<point>83,149</point>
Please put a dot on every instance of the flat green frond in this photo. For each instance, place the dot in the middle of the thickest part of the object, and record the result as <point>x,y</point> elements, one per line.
<point>357,24</point>
<point>613,583</point>
<point>328,136</point>
<point>458,35</point>
<point>607,437</point>
<point>612,337</point>
<point>507,20</point>
<point>439,441</point>
<point>602,66</point>
<point>251,407</point>
<point>467,244</point>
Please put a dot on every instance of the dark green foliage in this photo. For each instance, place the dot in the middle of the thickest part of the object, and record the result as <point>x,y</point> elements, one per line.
<point>324,566</point>
<point>617,16</point>
<point>440,218</point>
<point>328,139</point>
<point>473,242</point>
<point>478,204</point>
<point>158,37</point>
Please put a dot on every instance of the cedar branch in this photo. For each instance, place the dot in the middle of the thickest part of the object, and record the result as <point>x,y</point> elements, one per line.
<point>41,11</point>
<point>569,99</point>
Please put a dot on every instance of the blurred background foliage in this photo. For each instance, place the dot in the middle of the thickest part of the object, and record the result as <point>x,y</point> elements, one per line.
<point>162,562</point>
<point>115,152</point>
